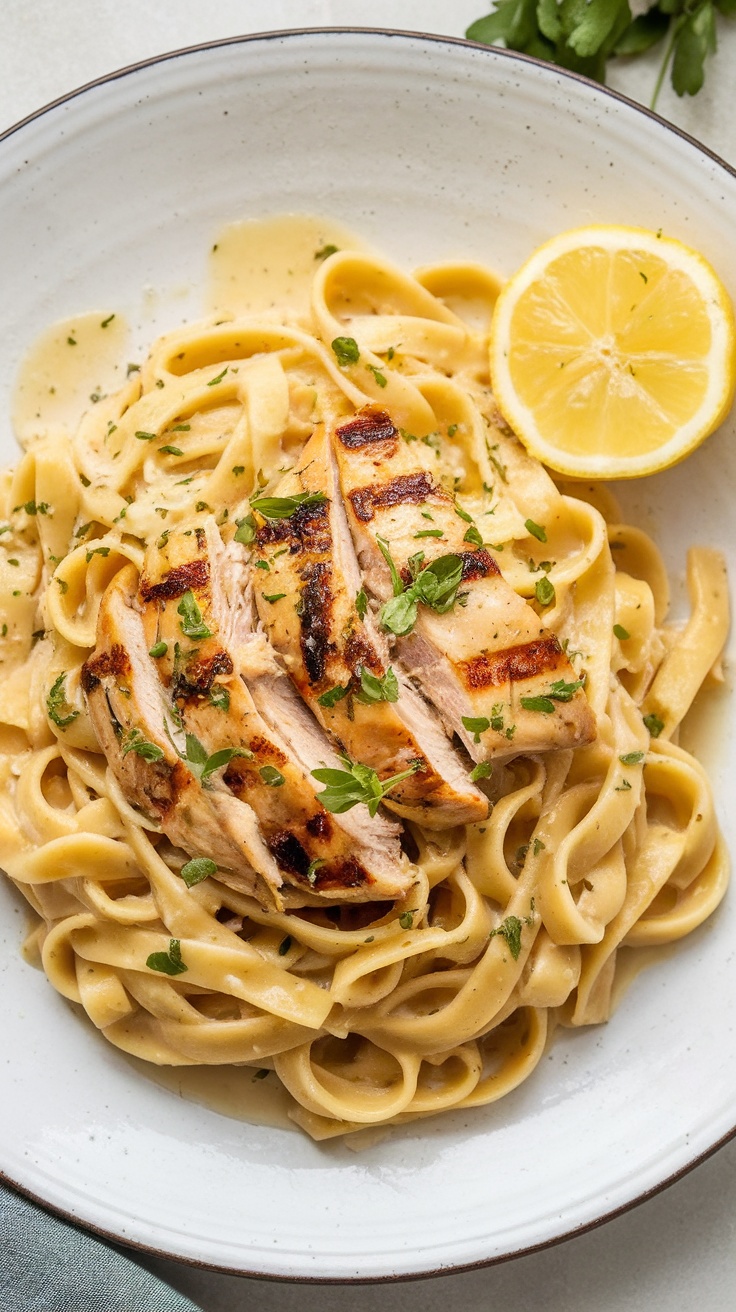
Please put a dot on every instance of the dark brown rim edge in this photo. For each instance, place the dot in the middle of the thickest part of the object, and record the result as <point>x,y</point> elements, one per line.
<point>587,1226</point>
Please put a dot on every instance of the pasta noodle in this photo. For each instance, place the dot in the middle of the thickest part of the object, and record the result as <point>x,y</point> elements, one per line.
<point>376,1013</point>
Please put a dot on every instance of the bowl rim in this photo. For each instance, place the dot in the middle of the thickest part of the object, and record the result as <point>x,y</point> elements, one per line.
<point>515,57</point>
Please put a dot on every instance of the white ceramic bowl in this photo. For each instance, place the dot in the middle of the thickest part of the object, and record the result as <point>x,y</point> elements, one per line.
<point>431,148</point>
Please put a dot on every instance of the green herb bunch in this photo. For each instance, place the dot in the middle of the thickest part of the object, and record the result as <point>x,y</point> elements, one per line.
<point>583,35</point>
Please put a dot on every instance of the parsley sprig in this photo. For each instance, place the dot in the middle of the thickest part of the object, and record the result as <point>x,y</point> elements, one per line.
<point>583,35</point>
<point>357,783</point>
<point>435,585</point>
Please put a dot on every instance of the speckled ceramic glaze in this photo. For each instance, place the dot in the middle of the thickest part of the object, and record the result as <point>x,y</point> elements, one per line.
<point>432,149</point>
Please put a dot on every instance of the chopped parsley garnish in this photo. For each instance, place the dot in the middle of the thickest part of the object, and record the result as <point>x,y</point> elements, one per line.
<point>238,469</point>
<point>57,706</point>
<point>346,350</point>
<point>653,723</point>
<point>273,597</point>
<point>325,251</point>
<point>632,758</point>
<point>171,450</point>
<point>463,514</point>
<point>430,533</point>
<point>476,724</point>
<point>379,377</point>
<point>544,591</point>
<point>377,689</point>
<point>620,632</point>
<point>435,586</point>
<point>158,649</point>
<point>482,770</point>
<point>34,508</point>
<point>219,697</point>
<point>191,624</point>
<point>536,530</point>
<point>541,704</point>
<point>361,603</point>
<point>271,776</point>
<point>510,930</point>
<point>107,321</point>
<point>63,586</point>
<point>168,963</point>
<point>472,535</point>
<point>406,919</point>
<point>623,787</point>
<point>285,507</point>
<point>218,379</point>
<point>97,551</point>
<point>199,868</point>
<point>285,945</point>
<point>355,784</point>
<point>145,437</point>
<point>312,869</point>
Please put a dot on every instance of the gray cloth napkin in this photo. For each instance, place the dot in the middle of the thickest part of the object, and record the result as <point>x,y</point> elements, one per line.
<point>48,1265</point>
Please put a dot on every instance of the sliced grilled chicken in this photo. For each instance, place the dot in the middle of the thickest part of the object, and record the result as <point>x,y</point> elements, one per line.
<point>489,653</point>
<point>131,716</point>
<point>330,652</point>
<point>228,692</point>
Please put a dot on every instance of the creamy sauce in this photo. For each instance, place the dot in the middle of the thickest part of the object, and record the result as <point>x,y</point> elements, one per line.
<point>233,1091</point>
<point>630,962</point>
<point>73,362</point>
<point>259,265</point>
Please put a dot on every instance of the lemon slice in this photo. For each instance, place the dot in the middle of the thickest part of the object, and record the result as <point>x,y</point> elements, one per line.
<point>613,352</point>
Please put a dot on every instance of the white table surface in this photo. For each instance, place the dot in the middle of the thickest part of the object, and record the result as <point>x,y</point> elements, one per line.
<point>676,1252</point>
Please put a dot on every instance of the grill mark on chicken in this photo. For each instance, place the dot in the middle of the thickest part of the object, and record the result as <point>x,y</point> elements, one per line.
<point>198,675</point>
<point>183,578</point>
<point>341,874</point>
<point>319,825</point>
<point>515,663</point>
<point>315,619</point>
<point>289,852</point>
<point>369,428</point>
<point>406,489</point>
<point>306,530</point>
<point>358,652</point>
<point>114,664</point>
<point>478,564</point>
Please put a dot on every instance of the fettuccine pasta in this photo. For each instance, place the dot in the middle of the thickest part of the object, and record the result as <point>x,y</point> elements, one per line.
<point>370,1013</point>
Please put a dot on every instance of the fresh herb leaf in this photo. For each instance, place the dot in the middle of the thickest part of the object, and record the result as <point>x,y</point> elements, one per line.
<point>463,514</point>
<point>510,930</point>
<point>145,437</point>
<point>334,695</point>
<point>544,591</point>
<point>219,697</point>
<point>541,704</point>
<point>218,379</point>
<point>191,624</point>
<point>483,770</point>
<point>220,759</point>
<point>199,868</point>
<point>379,377</point>
<point>285,507</point>
<point>476,724</point>
<point>435,586</point>
<point>536,530</point>
<point>377,689</point>
<point>361,603</point>
<point>473,536</point>
<point>623,787</point>
<point>57,706</point>
<point>136,743</point>
<point>430,533</point>
<point>273,597</point>
<point>325,251</point>
<point>406,919</point>
<point>97,551</point>
<point>357,783</point>
<point>271,776</point>
<point>168,963</point>
<point>158,649</point>
<point>620,632</point>
<point>632,758</point>
<point>171,450</point>
<point>654,725</point>
<point>246,530</point>
<point>561,691</point>
<point>346,350</point>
